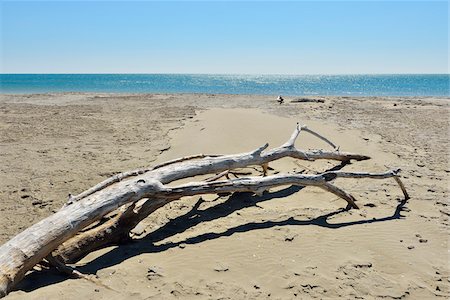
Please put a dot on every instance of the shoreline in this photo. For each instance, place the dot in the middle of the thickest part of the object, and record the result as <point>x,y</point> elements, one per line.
<point>380,97</point>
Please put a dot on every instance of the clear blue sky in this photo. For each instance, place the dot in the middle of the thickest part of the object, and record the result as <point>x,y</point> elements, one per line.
<point>296,37</point>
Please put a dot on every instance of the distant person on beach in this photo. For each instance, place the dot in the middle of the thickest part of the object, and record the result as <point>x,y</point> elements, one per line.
<point>280,99</point>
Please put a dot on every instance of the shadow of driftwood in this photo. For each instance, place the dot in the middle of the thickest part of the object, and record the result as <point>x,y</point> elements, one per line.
<point>235,202</point>
<point>37,279</point>
<point>195,216</point>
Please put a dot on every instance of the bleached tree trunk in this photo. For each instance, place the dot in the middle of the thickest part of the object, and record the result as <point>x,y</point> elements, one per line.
<point>136,194</point>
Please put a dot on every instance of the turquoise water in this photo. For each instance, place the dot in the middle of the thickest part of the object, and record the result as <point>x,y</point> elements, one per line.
<point>344,85</point>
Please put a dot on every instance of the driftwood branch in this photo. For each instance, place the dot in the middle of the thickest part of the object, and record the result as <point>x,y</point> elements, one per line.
<point>127,198</point>
<point>121,176</point>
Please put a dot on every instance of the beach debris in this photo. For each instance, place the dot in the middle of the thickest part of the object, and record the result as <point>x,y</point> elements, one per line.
<point>280,99</point>
<point>105,214</point>
<point>307,100</point>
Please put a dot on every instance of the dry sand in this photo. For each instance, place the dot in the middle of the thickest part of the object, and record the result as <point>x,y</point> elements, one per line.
<point>289,243</point>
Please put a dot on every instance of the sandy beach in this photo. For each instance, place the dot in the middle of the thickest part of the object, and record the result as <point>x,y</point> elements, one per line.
<point>290,243</point>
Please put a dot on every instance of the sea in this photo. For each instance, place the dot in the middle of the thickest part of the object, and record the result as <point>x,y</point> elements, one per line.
<point>436,85</point>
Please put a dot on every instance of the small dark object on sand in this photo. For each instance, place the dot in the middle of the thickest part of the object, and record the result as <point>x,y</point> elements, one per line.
<point>301,100</point>
<point>280,99</point>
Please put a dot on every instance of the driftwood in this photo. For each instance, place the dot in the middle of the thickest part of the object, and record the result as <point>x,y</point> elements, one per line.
<point>106,213</point>
<point>307,100</point>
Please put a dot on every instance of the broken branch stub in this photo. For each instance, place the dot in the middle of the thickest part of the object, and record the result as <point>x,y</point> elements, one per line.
<point>74,230</point>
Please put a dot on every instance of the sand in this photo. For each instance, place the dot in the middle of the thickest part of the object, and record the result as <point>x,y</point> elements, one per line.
<point>289,243</point>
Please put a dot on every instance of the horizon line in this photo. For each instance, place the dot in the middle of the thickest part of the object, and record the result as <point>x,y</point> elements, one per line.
<point>221,74</point>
